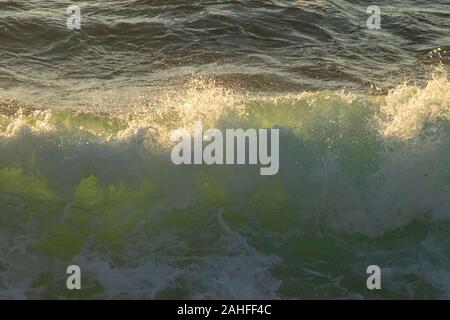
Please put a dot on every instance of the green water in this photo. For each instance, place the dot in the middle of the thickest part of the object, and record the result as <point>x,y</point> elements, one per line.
<point>363,180</point>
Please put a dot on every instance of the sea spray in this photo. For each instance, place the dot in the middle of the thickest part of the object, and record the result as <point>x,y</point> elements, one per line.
<point>364,181</point>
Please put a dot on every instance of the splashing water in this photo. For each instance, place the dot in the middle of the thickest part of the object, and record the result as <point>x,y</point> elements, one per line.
<point>363,180</point>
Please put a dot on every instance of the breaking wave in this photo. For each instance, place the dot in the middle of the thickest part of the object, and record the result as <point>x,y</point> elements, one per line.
<point>363,180</point>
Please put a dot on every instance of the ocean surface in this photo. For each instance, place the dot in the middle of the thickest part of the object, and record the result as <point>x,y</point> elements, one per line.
<point>86,176</point>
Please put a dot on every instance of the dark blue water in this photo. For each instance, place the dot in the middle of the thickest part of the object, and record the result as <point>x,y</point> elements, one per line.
<point>274,46</point>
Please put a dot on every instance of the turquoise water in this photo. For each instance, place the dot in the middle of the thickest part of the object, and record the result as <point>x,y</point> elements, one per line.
<point>86,176</point>
<point>363,180</point>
